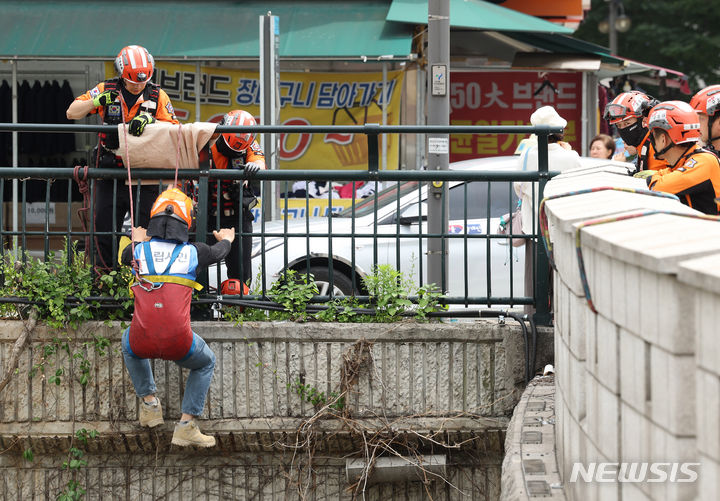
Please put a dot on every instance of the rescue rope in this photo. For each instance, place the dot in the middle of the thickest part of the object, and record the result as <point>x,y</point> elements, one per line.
<point>133,262</point>
<point>177,154</point>
<point>593,222</point>
<point>543,216</point>
<point>84,189</point>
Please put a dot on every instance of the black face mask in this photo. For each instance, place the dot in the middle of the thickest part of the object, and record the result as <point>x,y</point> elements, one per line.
<point>224,149</point>
<point>633,135</point>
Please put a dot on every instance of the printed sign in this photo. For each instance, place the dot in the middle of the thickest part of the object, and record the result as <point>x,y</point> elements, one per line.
<point>36,212</point>
<point>509,98</point>
<point>305,99</point>
<point>439,80</point>
<point>438,145</point>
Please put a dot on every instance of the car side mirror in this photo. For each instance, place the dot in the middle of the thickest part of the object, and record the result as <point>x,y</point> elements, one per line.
<point>407,221</point>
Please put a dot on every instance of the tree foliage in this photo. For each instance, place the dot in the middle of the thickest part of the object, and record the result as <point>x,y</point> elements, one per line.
<point>681,35</point>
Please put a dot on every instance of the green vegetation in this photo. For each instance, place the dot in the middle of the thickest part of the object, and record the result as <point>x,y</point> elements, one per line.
<point>388,289</point>
<point>58,288</point>
<point>316,397</point>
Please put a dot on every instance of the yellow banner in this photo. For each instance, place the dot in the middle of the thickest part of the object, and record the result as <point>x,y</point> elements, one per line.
<point>298,209</point>
<point>305,99</point>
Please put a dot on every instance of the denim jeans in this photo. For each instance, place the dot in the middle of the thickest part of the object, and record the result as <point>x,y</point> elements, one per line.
<point>201,364</point>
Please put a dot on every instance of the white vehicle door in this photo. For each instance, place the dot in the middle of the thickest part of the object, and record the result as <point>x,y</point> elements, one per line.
<point>468,242</point>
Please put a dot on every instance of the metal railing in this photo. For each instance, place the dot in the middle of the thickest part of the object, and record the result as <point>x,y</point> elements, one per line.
<point>337,248</point>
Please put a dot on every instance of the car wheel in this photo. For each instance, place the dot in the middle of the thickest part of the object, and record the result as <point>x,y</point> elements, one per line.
<point>342,283</point>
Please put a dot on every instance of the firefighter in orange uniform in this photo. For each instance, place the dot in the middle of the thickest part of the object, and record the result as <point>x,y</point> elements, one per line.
<point>235,150</point>
<point>626,112</point>
<point>693,173</point>
<point>130,98</point>
<point>707,105</point>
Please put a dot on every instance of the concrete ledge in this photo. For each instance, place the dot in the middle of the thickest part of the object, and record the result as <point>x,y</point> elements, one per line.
<point>530,468</point>
<point>331,436</point>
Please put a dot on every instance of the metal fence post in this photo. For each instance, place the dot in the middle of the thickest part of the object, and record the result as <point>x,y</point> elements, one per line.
<point>372,145</point>
<point>201,217</point>
<point>542,265</point>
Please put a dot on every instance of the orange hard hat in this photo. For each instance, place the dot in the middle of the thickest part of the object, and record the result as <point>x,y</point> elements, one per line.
<point>626,105</point>
<point>238,141</point>
<point>135,64</point>
<point>678,119</point>
<point>233,286</point>
<point>173,202</point>
<point>707,100</point>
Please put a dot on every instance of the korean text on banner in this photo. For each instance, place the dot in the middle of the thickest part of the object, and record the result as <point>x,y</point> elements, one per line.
<point>509,98</point>
<point>305,99</point>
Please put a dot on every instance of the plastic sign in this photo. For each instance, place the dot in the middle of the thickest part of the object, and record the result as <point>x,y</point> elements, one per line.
<point>439,80</point>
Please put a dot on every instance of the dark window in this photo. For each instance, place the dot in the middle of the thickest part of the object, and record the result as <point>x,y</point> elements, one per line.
<point>502,200</point>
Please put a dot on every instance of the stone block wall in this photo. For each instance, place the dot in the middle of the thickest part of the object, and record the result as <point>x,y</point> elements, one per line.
<point>434,387</point>
<point>637,376</point>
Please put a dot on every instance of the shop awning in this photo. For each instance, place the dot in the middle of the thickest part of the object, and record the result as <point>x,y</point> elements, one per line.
<point>562,44</point>
<point>474,14</point>
<point>199,30</point>
<point>563,52</point>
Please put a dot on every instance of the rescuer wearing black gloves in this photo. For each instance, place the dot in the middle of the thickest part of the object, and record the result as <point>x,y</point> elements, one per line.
<point>235,150</point>
<point>130,98</point>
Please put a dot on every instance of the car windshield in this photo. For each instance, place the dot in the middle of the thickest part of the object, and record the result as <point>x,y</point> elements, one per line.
<point>502,200</point>
<point>387,196</point>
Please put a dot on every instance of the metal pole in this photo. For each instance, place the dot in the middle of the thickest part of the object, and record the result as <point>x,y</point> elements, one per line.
<point>197,91</point>
<point>420,119</point>
<point>438,144</point>
<point>612,32</point>
<point>384,113</point>
<point>591,100</point>
<point>269,81</point>
<point>14,84</point>
<point>584,138</point>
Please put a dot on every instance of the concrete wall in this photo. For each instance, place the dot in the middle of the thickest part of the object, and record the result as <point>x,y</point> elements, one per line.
<point>436,387</point>
<point>638,379</point>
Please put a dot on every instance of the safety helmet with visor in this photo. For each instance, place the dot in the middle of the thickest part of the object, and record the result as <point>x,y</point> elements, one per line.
<point>135,64</point>
<point>633,104</point>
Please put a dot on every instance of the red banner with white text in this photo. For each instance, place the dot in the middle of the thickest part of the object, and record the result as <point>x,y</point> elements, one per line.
<point>509,98</point>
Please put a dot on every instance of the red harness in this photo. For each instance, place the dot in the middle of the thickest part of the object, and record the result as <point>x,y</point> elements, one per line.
<point>160,326</point>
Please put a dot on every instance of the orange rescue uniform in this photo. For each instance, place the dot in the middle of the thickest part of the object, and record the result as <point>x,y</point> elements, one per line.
<point>646,156</point>
<point>165,111</point>
<point>695,180</point>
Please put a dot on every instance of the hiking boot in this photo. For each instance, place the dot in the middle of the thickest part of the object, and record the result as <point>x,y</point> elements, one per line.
<point>151,414</point>
<point>189,434</point>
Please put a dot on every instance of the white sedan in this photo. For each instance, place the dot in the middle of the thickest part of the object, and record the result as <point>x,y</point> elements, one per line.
<point>345,247</point>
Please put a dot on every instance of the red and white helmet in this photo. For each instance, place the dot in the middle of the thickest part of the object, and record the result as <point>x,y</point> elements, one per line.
<point>135,64</point>
<point>626,105</point>
<point>238,141</point>
<point>707,100</point>
<point>678,119</point>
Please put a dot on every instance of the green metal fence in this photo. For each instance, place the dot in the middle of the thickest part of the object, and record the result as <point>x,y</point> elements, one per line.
<point>386,228</point>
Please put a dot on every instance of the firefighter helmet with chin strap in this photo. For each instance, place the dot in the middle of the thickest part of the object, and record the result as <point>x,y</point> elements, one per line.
<point>135,64</point>
<point>678,119</point>
<point>707,101</point>
<point>633,104</point>
<point>238,142</point>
